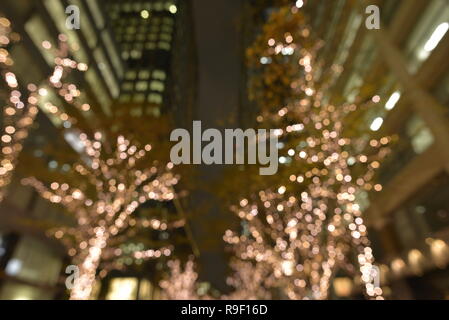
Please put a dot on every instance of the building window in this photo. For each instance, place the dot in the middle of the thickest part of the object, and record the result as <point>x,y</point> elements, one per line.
<point>155,98</point>
<point>427,34</point>
<point>142,86</point>
<point>157,86</point>
<point>420,135</point>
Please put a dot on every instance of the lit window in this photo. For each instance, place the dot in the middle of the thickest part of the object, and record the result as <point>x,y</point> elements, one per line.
<point>135,54</point>
<point>13,267</point>
<point>157,86</point>
<point>138,46</point>
<point>422,137</point>
<point>377,124</point>
<point>145,14</point>
<point>122,289</point>
<point>159,75</point>
<point>142,86</point>
<point>150,46</point>
<point>125,98</point>
<point>164,45</point>
<point>158,6</point>
<point>144,74</point>
<point>155,98</point>
<point>168,29</point>
<point>154,111</point>
<point>394,99</point>
<point>128,86</point>
<point>139,98</point>
<point>427,34</point>
<point>168,20</point>
<point>127,7</point>
<point>72,138</point>
<point>131,74</point>
<point>166,37</point>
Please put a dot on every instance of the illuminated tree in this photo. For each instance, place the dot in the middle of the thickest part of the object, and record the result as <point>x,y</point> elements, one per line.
<point>181,283</point>
<point>110,177</point>
<point>307,224</point>
<point>110,188</point>
<point>21,101</point>
<point>249,281</point>
<point>19,110</point>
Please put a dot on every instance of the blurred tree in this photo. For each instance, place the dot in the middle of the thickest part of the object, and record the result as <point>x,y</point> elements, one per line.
<point>108,188</point>
<point>181,282</point>
<point>109,177</point>
<point>299,227</point>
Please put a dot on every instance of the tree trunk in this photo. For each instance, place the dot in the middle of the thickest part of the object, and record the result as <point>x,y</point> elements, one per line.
<point>82,288</point>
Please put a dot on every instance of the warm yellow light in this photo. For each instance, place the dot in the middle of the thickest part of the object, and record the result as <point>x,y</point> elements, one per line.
<point>123,289</point>
<point>343,287</point>
<point>145,14</point>
<point>173,9</point>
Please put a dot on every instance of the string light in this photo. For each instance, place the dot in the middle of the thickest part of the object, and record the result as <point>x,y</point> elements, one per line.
<point>22,103</point>
<point>297,235</point>
<point>18,113</point>
<point>119,188</point>
<point>181,283</point>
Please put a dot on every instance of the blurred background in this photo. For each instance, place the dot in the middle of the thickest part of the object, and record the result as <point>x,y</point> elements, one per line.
<point>86,178</point>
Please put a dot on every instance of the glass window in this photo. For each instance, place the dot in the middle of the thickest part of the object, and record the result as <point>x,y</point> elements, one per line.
<point>136,54</point>
<point>136,112</point>
<point>157,86</point>
<point>131,75</point>
<point>128,86</point>
<point>125,98</point>
<point>144,74</point>
<point>150,46</point>
<point>155,98</point>
<point>164,46</point>
<point>122,289</point>
<point>15,291</point>
<point>142,86</point>
<point>420,134</point>
<point>159,75</point>
<point>35,262</point>
<point>166,37</point>
<point>139,98</point>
